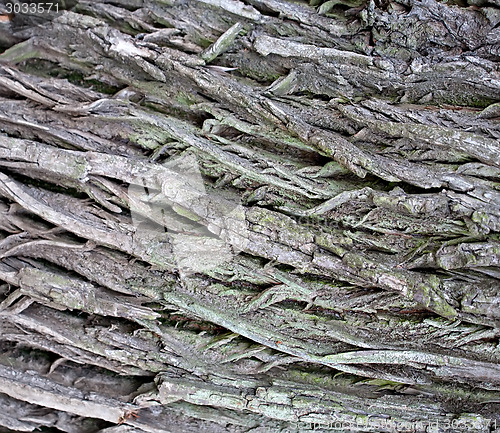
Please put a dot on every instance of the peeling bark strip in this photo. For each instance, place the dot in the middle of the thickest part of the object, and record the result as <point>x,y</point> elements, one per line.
<point>258,215</point>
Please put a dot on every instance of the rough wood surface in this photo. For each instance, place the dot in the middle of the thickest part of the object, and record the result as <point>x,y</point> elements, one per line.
<point>258,215</point>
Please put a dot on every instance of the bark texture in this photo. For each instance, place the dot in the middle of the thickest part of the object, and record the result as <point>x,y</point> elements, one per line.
<point>250,216</point>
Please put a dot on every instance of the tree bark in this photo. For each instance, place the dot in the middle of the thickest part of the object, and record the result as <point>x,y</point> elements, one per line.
<point>258,215</point>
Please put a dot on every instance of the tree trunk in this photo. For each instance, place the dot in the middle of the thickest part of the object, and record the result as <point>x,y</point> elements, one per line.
<point>259,215</point>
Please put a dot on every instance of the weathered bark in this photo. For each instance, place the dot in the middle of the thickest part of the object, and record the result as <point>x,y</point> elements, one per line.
<point>259,215</point>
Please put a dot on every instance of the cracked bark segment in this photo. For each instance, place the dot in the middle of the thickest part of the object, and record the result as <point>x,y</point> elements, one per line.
<point>384,282</point>
<point>40,391</point>
<point>93,227</point>
<point>278,401</point>
<point>290,290</point>
<point>24,417</point>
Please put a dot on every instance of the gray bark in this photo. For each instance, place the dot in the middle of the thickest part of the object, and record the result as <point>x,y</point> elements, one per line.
<point>259,215</point>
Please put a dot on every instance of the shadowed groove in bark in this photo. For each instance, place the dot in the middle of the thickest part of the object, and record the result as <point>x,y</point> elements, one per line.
<point>361,140</point>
